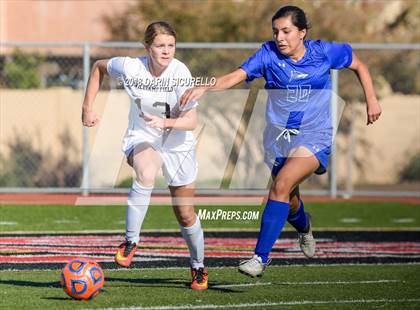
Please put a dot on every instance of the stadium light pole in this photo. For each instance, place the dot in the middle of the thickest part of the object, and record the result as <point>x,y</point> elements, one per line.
<point>86,69</point>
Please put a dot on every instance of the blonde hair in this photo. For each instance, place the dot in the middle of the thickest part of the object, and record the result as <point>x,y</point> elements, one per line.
<point>156,28</point>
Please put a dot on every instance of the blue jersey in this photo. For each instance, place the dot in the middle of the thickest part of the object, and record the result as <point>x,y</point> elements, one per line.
<point>299,95</point>
<point>299,91</point>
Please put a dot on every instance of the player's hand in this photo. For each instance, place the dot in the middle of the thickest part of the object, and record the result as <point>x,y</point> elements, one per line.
<point>373,111</point>
<point>192,94</point>
<point>89,118</point>
<point>154,121</point>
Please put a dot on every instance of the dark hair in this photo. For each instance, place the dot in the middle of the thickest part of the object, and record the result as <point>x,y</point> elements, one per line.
<point>297,14</point>
<point>156,28</point>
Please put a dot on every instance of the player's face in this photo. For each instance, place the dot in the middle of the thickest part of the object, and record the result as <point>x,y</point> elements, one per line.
<point>288,37</point>
<point>162,50</point>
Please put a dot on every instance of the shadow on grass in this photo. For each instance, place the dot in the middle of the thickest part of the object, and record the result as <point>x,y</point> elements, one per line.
<point>165,282</point>
<point>62,299</point>
<point>145,282</point>
<point>55,284</point>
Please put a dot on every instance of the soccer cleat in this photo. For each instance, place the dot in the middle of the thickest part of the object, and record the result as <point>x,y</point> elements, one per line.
<point>253,267</point>
<point>200,278</point>
<point>307,241</point>
<point>125,253</point>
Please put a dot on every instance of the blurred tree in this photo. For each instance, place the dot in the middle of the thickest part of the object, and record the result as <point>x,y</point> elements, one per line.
<point>196,21</point>
<point>199,21</point>
<point>250,21</point>
<point>21,70</point>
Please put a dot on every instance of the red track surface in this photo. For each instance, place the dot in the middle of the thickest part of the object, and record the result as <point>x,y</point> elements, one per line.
<point>48,249</point>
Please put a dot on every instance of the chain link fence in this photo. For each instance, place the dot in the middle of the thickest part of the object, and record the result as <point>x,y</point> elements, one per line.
<point>43,146</point>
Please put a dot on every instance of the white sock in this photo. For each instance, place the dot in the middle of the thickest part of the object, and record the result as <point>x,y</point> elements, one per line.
<point>194,237</point>
<point>138,202</point>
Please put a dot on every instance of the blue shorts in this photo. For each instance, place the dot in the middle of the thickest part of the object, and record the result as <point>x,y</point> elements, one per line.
<point>322,157</point>
<point>277,148</point>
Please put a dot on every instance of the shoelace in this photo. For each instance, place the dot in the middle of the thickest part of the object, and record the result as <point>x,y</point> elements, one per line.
<point>286,133</point>
<point>255,262</point>
<point>306,237</point>
<point>129,246</point>
<point>199,275</point>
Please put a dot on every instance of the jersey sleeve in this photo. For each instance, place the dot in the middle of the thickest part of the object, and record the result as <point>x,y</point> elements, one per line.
<point>254,66</point>
<point>339,54</point>
<point>115,67</point>
<point>185,75</point>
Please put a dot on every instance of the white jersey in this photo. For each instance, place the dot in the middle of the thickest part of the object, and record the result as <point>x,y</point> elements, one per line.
<point>156,96</point>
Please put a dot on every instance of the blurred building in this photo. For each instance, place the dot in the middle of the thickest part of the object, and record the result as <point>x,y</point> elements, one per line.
<point>59,20</point>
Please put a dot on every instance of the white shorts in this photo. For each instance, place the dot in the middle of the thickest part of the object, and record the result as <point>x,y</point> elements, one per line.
<point>179,168</point>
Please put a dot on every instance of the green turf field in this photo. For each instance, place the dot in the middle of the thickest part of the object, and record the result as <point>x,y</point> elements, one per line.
<point>324,215</point>
<point>307,287</point>
<point>302,287</point>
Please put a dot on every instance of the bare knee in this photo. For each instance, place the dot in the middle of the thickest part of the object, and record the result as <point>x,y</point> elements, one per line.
<point>146,177</point>
<point>185,215</point>
<point>281,189</point>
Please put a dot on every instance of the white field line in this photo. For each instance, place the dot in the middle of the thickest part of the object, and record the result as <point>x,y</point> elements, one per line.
<point>271,304</point>
<point>306,283</point>
<point>350,220</point>
<point>404,220</point>
<point>8,223</point>
<point>66,221</point>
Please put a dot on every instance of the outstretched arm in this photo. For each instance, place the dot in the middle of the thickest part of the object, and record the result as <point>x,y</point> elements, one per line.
<point>224,82</point>
<point>97,74</point>
<point>373,108</point>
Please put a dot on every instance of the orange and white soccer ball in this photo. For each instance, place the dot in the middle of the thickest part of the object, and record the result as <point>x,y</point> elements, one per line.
<point>82,278</point>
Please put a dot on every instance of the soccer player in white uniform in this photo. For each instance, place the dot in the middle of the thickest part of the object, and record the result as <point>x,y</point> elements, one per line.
<point>159,135</point>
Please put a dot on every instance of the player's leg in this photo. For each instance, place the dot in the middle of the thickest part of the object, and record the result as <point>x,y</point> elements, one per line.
<point>182,198</point>
<point>192,233</point>
<point>180,171</point>
<point>294,199</point>
<point>295,170</point>
<point>296,205</point>
<point>301,221</point>
<point>297,217</point>
<point>146,163</point>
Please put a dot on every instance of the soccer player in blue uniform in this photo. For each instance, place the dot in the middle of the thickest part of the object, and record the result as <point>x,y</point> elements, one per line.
<point>299,131</point>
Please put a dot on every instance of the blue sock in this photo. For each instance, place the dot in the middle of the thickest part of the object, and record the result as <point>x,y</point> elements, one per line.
<point>299,220</point>
<point>272,222</point>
